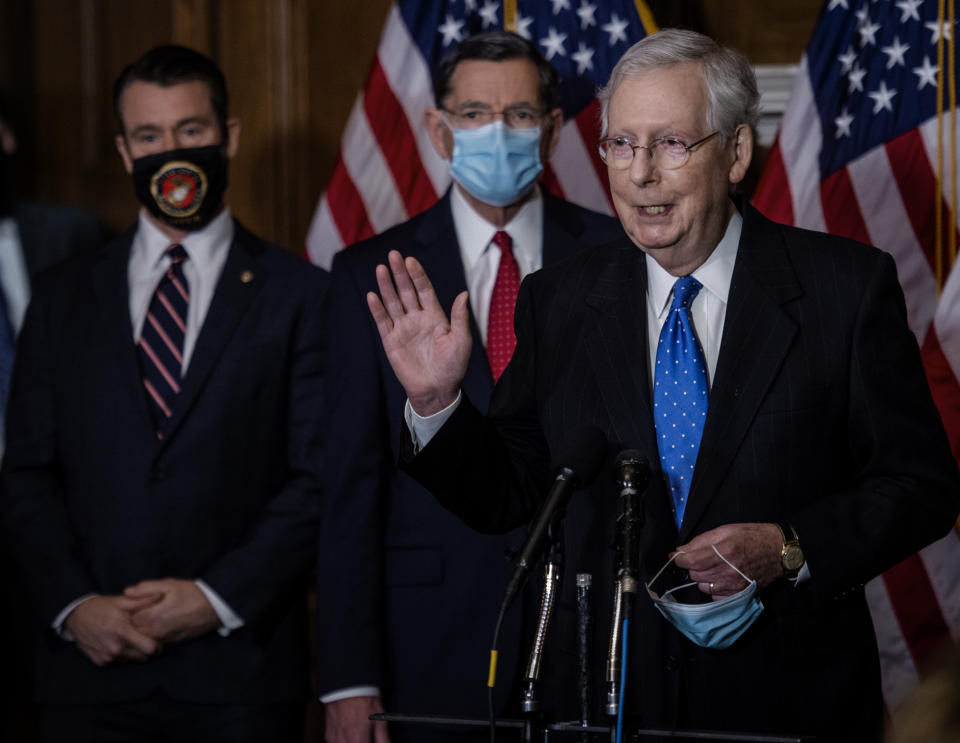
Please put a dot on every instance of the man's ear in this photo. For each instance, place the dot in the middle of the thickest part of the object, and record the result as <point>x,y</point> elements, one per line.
<point>121,142</point>
<point>742,153</point>
<point>439,132</point>
<point>233,137</point>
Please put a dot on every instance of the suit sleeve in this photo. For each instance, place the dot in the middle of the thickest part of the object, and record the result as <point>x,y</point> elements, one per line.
<point>359,472</point>
<point>258,577</point>
<point>907,492</point>
<point>492,471</point>
<point>35,515</point>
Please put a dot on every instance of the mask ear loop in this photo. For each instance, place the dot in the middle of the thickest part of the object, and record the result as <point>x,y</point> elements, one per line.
<point>660,572</point>
<point>742,575</point>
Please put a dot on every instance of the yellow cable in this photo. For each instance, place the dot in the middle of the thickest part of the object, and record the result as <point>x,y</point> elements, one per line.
<point>492,678</point>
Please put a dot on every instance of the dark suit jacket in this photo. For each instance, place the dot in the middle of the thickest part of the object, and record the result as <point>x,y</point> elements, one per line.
<point>407,595</point>
<point>50,234</point>
<point>819,415</point>
<point>93,501</point>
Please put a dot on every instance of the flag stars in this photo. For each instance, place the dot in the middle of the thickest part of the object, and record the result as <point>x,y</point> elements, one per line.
<point>489,13</point>
<point>586,13</point>
<point>559,5</point>
<point>523,26</point>
<point>583,57</point>
<point>843,122</point>
<point>882,98</point>
<point>855,78</point>
<point>868,33</point>
<point>846,60</point>
<point>553,44</point>
<point>838,4</point>
<point>617,29</point>
<point>936,30</point>
<point>926,74</point>
<point>909,10</point>
<point>452,30</point>
<point>895,53</point>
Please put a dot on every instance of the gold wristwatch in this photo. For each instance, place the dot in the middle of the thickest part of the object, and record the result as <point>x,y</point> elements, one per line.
<point>791,555</point>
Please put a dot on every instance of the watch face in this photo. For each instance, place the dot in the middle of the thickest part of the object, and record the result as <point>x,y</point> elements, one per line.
<point>792,557</point>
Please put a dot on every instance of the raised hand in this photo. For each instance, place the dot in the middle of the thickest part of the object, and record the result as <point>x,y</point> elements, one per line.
<point>428,353</point>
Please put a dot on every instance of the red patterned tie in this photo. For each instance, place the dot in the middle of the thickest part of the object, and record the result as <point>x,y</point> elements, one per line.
<point>500,337</point>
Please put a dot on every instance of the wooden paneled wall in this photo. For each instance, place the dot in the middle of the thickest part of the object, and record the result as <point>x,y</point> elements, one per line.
<point>293,68</point>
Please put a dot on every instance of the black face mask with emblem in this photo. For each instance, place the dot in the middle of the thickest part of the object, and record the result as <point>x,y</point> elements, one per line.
<point>182,188</point>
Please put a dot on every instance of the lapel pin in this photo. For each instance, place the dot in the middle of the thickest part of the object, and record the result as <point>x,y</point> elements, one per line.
<point>246,277</point>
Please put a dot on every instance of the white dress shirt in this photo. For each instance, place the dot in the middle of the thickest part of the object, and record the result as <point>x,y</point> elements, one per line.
<point>481,258</point>
<point>207,251</point>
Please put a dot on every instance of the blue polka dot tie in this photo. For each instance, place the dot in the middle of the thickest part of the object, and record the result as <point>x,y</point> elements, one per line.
<point>680,390</point>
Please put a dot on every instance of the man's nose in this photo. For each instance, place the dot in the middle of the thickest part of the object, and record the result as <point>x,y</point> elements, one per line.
<point>642,168</point>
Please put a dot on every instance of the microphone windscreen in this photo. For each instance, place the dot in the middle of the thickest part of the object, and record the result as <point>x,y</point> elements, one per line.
<point>583,451</point>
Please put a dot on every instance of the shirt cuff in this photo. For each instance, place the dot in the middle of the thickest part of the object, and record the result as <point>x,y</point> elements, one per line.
<point>423,429</point>
<point>229,621</point>
<point>350,692</point>
<point>57,623</point>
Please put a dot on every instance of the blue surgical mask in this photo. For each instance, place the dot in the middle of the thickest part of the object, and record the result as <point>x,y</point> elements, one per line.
<point>495,163</point>
<point>714,624</point>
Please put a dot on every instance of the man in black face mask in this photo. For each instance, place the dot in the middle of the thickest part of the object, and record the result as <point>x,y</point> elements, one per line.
<point>160,483</point>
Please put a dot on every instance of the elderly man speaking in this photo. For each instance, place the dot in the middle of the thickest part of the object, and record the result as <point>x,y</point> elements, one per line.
<point>768,375</point>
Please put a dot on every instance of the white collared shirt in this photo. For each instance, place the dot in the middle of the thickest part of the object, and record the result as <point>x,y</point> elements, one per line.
<point>207,251</point>
<point>709,307</point>
<point>481,258</point>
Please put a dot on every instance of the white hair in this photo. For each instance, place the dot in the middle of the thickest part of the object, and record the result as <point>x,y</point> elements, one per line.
<point>731,85</point>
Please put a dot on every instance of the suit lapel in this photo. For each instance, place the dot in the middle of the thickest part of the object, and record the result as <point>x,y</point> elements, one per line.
<point>617,345</point>
<point>239,283</point>
<point>757,335</point>
<point>112,290</point>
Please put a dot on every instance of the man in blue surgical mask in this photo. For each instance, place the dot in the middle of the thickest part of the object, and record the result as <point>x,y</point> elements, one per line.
<point>407,626</point>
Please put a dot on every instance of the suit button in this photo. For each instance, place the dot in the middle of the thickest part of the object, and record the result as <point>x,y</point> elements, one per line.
<point>672,663</point>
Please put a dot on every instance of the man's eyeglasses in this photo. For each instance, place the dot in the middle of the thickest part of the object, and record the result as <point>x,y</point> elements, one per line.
<point>666,152</point>
<point>516,117</point>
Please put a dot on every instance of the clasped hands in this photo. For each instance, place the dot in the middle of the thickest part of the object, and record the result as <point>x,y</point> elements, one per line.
<point>136,624</point>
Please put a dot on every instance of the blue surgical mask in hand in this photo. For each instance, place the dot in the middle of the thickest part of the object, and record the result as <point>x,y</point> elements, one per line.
<point>495,163</point>
<point>714,624</point>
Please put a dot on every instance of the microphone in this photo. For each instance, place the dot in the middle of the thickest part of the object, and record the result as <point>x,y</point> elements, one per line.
<point>582,454</point>
<point>632,474</point>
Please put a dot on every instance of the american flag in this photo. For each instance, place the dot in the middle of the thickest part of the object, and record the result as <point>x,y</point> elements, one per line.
<point>388,171</point>
<point>867,149</point>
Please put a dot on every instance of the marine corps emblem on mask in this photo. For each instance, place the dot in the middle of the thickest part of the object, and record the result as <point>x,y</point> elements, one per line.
<point>184,187</point>
<point>179,188</point>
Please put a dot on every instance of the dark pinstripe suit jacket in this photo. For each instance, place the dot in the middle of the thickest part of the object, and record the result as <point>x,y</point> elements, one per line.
<point>819,415</point>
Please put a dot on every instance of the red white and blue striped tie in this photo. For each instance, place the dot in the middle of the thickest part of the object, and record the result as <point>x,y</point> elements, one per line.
<point>161,340</point>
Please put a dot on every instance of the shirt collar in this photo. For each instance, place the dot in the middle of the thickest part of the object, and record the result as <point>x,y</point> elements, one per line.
<point>200,245</point>
<point>715,274</point>
<point>474,233</point>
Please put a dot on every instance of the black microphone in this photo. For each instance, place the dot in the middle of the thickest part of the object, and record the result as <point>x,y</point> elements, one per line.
<point>582,456</point>
<point>632,474</point>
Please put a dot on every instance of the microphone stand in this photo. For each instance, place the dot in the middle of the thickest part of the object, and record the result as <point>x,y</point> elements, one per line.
<point>631,481</point>
<point>584,643</point>
<point>530,705</point>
